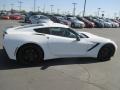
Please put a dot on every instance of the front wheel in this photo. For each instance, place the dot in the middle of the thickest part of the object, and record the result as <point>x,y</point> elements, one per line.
<point>30,54</point>
<point>106,52</point>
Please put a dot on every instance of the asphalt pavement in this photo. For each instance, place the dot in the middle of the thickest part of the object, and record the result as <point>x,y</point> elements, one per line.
<point>62,74</point>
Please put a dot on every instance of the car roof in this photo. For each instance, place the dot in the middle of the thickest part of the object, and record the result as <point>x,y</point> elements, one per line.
<point>42,25</point>
<point>55,25</point>
<point>39,15</point>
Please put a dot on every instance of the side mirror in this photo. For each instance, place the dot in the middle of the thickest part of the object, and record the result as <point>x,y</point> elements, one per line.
<point>77,38</point>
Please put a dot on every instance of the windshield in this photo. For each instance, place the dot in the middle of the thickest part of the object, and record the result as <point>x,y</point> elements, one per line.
<point>74,18</point>
<point>60,18</point>
<point>43,17</point>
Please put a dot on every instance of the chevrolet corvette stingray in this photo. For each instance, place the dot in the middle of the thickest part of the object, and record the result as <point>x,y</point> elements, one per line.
<point>38,42</point>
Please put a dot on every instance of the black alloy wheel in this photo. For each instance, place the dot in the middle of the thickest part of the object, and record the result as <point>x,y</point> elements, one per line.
<point>30,54</point>
<point>106,52</point>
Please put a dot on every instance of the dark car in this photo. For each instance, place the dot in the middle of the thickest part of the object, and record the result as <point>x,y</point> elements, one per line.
<point>88,24</point>
<point>27,16</point>
<point>98,24</point>
<point>63,21</point>
<point>53,18</point>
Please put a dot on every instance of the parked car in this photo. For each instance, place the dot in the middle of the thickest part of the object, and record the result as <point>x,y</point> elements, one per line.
<point>35,19</point>
<point>37,42</point>
<point>63,21</point>
<point>15,17</point>
<point>106,24</point>
<point>114,24</point>
<point>53,18</point>
<point>26,19</point>
<point>97,23</point>
<point>27,16</point>
<point>75,23</point>
<point>6,17</point>
<point>117,21</point>
<point>88,24</point>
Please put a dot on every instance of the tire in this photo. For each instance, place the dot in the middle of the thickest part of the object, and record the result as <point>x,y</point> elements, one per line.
<point>30,54</point>
<point>106,52</point>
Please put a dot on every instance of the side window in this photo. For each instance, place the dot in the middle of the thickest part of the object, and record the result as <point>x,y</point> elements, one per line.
<point>56,31</point>
<point>68,19</point>
<point>68,33</point>
<point>35,17</point>
<point>63,32</point>
<point>42,30</point>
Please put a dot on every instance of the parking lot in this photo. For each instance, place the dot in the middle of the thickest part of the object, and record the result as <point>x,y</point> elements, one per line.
<point>62,74</point>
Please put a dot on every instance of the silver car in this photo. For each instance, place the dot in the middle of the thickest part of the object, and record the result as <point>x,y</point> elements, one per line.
<point>36,19</point>
<point>106,24</point>
<point>114,24</point>
<point>63,21</point>
<point>76,23</point>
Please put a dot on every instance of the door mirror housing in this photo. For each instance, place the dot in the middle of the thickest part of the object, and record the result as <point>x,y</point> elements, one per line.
<point>77,38</point>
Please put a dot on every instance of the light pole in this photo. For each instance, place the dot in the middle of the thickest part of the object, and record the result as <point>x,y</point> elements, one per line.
<point>12,6</point>
<point>103,14</point>
<point>20,6</point>
<point>58,11</point>
<point>34,5</point>
<point>84,8</point>
<point>51,8</point>
<point>38,8</point>
<point>99,11</point>
<point>4,7</point>
<point>119,14</point>
<point>68,12</point>
<point>115,15</point>
<point>74,8</point>
<point>44,8</point>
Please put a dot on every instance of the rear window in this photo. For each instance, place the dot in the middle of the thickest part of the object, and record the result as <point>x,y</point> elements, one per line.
<point>43,17</point>
<point>42,30</point>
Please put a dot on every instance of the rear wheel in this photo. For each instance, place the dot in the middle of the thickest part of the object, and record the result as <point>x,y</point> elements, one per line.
<point>30,54</point>
<point>106,52</point>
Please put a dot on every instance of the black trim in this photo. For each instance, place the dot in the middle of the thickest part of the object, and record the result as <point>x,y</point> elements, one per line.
<point>93,47</point>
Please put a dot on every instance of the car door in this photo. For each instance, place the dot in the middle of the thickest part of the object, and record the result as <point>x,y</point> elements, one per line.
<point>62,42</point>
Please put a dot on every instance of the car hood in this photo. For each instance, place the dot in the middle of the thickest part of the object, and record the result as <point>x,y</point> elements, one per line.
<point>95,38</point>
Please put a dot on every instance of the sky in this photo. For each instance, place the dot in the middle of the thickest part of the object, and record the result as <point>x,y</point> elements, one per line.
<point>109,7</point>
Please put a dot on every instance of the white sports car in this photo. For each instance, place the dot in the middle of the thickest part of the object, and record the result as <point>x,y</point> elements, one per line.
<point>38,42</point>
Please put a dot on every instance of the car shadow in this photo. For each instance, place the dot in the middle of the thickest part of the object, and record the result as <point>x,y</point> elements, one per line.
<point>6,64</point>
